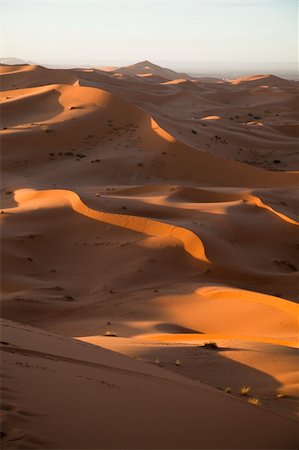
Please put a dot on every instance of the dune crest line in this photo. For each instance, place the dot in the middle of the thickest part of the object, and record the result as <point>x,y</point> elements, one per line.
<point>191,242</point>
<point>260,204</point>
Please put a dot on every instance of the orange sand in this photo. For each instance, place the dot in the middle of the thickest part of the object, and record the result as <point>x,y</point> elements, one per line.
<point>161,208</point>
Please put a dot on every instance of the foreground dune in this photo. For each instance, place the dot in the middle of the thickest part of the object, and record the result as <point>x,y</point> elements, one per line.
<point>149,213</point>
<point>87,379</point>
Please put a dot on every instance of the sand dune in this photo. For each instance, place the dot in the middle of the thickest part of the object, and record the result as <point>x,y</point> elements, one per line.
<point>89,106</point>
<point>103,383</point>
<point>236,106</point>
<point>20,77</point>
<point>163,209</point>
<point>190,241</point>
<point>263,81</point>
<point>148,68</point>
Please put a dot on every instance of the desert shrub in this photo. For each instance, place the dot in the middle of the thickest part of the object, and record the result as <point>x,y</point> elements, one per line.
<point>245,390</point>
<point>281,395</point>
<point>254,401</point>
<point>211,345</point>
<point>110,334</point>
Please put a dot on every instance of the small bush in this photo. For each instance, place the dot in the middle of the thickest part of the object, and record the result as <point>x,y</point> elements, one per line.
<point>178,362</point>
<point>228,390</point>
<point>245,390</point>
<point>211,345</point>
<point>110,334</point>
<point>158,362</point>
<point>281,395</point>
<point>254,401</point>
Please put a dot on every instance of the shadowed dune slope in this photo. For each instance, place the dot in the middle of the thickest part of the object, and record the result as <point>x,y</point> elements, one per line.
<point>100,382</point>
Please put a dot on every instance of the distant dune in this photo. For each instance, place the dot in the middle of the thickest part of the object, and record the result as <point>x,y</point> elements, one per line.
<point>14,61</point>
<point>149,259</point>
<point>148,68</point>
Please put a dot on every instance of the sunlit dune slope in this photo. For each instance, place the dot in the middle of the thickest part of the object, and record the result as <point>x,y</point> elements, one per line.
<point>80,115</point>
<point>20,77</point>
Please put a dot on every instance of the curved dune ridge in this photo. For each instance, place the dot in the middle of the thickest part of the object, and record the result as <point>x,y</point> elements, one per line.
<point>44,105</point>
<point>190,240</point>
<point>203,195</point>
<point>92,105</point>
<point>262,80</point>
<point>29,76</point>
<point>258,202</point>
<point>148,213</point>
<point>282,304</point>
<point>30,200</point>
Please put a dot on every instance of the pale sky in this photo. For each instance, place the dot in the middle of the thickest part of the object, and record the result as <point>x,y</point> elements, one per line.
<point>117,31</point>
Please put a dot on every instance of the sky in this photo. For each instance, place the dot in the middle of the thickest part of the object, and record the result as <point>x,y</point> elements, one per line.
<point>187,32</point>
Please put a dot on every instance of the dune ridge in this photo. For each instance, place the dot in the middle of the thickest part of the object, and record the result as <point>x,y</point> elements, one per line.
<point>191,241</point>
<point>91,104</point>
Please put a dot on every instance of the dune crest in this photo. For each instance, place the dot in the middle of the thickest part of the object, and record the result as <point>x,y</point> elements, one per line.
<point>31,199</point>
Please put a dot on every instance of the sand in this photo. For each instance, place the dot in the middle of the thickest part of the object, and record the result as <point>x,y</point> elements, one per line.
<point>145,213</point>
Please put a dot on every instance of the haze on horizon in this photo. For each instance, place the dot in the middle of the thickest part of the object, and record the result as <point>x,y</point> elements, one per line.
<point>191,35</point>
